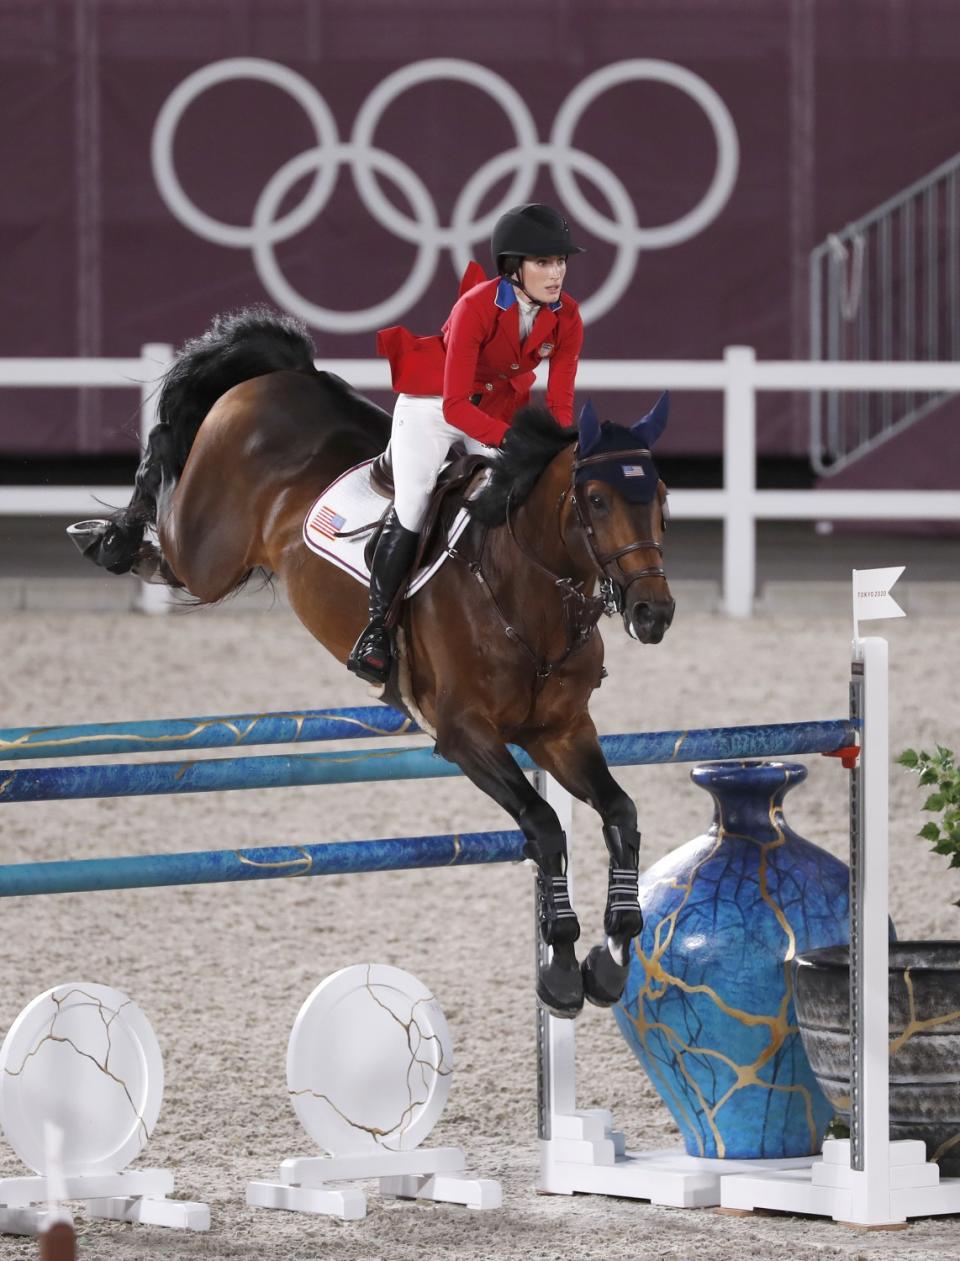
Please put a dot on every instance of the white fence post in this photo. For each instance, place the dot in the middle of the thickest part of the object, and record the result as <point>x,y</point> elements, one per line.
<point>870,1002</point>
<point>156,358</point>
<point>739,481</point>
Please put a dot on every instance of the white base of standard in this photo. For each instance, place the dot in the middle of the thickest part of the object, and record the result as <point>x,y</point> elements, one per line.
<point>426,1173</point>
<point>586,1154</point>
<point>830,1188</point>
<point>135,1196</point>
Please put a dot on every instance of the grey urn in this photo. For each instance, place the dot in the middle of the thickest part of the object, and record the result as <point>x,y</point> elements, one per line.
<point>924,989</point>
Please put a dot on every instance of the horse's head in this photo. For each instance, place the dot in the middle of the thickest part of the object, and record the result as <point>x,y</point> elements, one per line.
<point>619,506</point>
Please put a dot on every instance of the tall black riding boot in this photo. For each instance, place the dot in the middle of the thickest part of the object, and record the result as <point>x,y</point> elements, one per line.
<point>396,548</point>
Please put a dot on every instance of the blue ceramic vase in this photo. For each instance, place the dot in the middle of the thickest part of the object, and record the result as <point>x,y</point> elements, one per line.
<point>708,1008</point>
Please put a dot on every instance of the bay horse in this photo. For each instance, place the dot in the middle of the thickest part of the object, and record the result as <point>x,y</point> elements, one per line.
<point>502,643</point>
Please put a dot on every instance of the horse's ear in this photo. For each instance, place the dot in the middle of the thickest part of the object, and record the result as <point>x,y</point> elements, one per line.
<point>653,424</point>
<point>589,427</point>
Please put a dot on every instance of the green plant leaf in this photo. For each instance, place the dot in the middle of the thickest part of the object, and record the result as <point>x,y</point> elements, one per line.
<point>934,802</point>
<point>908,758</point>
<point>929,832</point>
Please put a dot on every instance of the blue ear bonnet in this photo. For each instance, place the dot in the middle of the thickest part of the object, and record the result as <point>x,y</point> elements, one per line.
<point>634,477</point>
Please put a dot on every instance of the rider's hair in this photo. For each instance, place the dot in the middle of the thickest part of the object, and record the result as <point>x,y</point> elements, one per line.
<point>509,264</point>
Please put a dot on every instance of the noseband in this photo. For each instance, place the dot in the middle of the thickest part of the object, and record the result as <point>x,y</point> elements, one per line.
<point>614,591</point>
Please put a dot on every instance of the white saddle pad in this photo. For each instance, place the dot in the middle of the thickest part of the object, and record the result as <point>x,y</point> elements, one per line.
<point>348,504</point>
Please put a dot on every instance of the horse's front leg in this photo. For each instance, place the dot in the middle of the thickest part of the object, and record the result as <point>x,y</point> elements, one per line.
<point>478,749</point>
<point>574,758</point>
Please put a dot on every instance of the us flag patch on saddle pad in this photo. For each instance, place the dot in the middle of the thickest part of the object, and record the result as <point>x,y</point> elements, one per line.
<point>327,522</point>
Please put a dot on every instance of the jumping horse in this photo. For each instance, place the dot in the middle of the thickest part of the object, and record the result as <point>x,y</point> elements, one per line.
<point>502,643</point>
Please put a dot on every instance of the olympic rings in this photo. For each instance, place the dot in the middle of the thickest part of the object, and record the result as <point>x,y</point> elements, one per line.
<point>423,229</point>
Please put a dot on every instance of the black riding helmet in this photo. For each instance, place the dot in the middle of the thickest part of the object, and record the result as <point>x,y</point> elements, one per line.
<point>527,231</point>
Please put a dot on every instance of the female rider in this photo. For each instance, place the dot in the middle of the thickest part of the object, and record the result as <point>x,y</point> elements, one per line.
<point>466,386</point>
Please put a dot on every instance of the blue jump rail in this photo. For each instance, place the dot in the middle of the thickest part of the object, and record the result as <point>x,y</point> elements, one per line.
<point>221,732</point>
<point>367,765</point>
<point>278,862</point>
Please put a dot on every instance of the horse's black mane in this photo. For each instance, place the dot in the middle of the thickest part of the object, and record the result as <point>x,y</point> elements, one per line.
<point>530,444</point>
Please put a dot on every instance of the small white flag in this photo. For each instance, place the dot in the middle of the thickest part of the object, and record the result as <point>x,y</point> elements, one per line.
<point>871,593</point>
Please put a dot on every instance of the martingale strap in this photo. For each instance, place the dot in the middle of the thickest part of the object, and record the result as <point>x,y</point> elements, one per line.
<point>580,612</point>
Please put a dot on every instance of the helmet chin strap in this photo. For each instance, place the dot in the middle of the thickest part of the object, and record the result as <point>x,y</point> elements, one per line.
<point>517,281</point>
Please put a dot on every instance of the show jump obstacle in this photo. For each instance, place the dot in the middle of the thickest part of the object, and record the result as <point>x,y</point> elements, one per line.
<point>865,1180</point>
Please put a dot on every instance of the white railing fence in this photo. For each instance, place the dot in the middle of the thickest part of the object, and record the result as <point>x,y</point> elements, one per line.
<point>739,376</point>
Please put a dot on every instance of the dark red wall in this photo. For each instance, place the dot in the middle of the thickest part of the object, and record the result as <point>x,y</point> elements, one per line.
<point>837,107</point>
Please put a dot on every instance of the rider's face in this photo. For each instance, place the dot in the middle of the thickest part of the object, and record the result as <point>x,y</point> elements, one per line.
<point>542,277</point>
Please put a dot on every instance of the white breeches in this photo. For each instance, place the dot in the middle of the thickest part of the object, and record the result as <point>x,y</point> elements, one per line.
<point>420,441</point>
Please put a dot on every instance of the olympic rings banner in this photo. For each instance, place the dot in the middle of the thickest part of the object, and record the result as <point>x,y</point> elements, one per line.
<point>344,162</point>
<point>467,231</point>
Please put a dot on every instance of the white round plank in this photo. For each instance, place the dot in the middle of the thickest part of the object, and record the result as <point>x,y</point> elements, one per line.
<point>369,1061</point>
<point>84,1058</point>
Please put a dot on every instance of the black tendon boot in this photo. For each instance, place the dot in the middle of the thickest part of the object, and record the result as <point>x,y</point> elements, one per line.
<point>371,656</point>
<point>606,967</point>
<point>559,982</point>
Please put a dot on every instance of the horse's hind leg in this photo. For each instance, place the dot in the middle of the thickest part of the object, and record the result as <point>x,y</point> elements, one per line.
<point>576,761</point>
<point>476,747</point>
<point>204,524</point>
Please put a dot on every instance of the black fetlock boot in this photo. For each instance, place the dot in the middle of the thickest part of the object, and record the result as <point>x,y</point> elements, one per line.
<point>606,967</point>
<point>559,982</point>
<point>372,655</point>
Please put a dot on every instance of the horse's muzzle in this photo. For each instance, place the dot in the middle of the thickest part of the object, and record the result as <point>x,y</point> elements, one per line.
<point>649,620</point>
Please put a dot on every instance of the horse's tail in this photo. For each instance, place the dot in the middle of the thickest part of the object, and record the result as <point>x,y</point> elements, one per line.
<point>235,348</point>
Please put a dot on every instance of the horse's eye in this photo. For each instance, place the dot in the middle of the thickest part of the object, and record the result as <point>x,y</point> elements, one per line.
<point>597,500</point>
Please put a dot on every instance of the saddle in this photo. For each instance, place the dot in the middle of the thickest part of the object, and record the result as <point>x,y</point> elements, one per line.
<point>456,480</point>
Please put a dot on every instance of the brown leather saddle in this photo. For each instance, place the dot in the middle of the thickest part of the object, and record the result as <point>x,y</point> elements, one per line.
<point>454,484</point>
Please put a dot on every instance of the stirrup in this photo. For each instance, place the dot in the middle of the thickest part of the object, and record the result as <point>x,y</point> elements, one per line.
<point>371,656</point>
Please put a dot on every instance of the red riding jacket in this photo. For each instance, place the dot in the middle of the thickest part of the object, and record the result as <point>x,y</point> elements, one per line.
<point>479,353</point>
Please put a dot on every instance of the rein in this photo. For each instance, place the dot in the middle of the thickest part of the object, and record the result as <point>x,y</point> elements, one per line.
<point>581,612</point>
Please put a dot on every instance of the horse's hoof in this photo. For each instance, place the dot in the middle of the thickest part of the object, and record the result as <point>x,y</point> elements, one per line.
<point>604,979</point>
<point>560,988</point>
<point>90,537</point>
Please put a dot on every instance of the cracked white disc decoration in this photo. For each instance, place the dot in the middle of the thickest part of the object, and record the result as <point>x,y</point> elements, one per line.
<point>84,1057</point>
<point>369,1061</point>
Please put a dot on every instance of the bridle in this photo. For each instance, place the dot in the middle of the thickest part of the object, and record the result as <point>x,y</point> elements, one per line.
<point>614,589</point>
<point>581,611</point>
